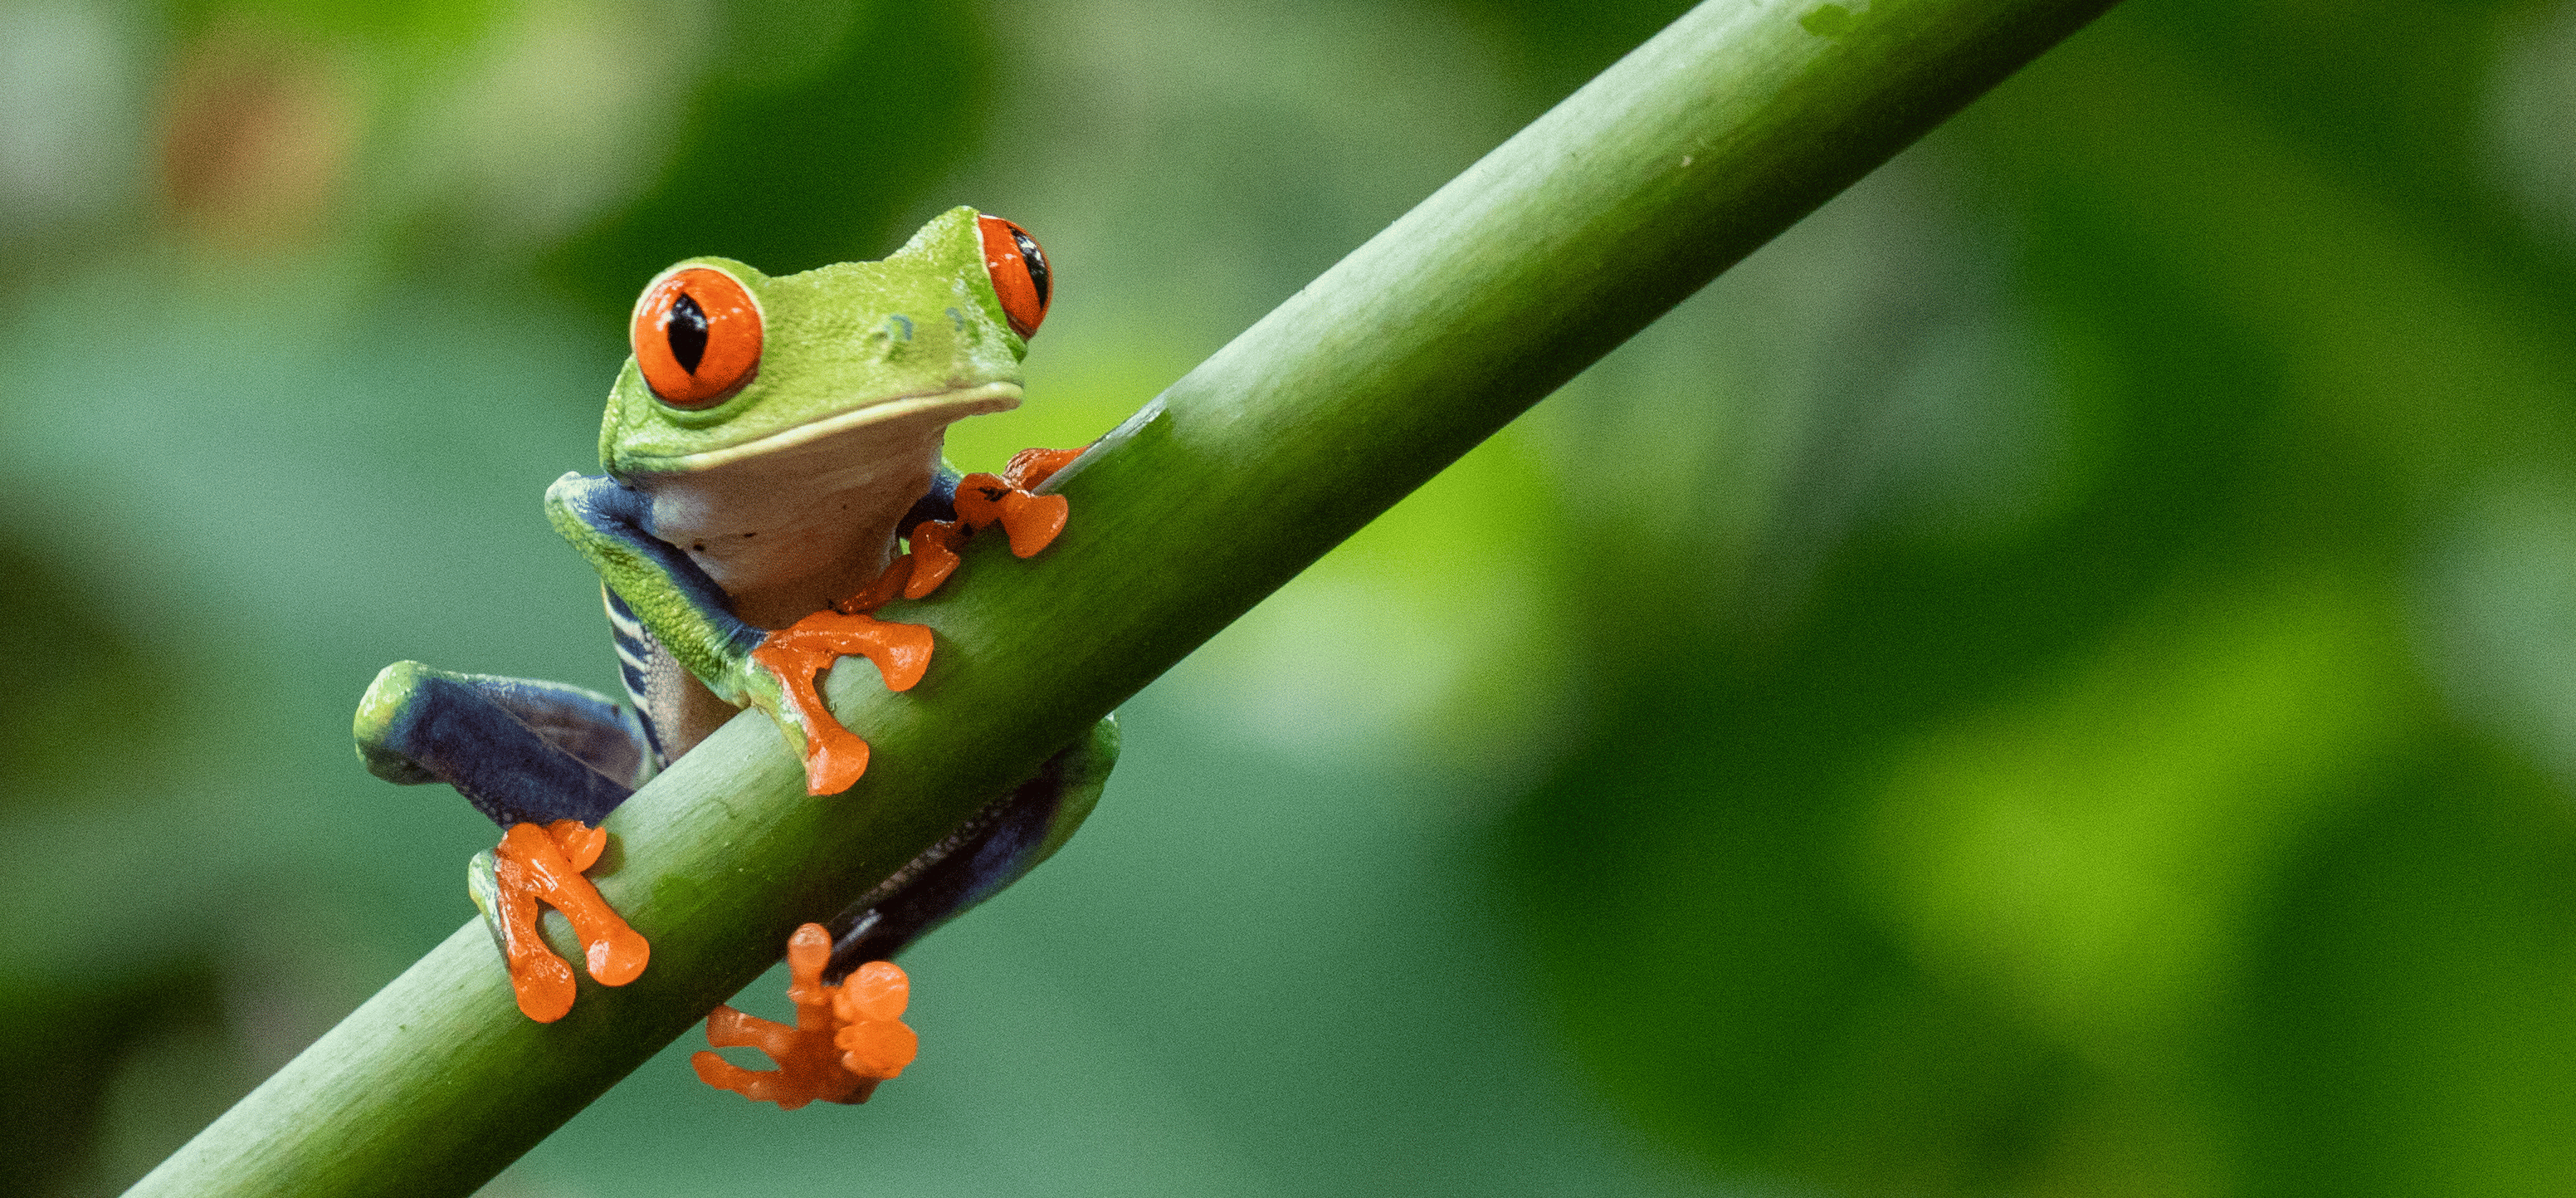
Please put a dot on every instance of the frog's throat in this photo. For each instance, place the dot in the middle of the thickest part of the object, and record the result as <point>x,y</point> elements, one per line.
<point>953,405</point>
<point>801,519</point>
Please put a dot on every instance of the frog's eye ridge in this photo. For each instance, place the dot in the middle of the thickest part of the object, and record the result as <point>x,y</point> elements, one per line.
<point>696,337</point>
<point>1020,275</point>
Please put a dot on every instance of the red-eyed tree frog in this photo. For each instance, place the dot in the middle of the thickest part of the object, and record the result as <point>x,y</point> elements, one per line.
<point>772,448</point>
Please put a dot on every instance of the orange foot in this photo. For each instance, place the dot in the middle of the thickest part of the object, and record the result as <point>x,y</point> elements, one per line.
<point>543,865</point>
<point>847,1038</point>
<point>834,758</point>
<point>1031,522</point>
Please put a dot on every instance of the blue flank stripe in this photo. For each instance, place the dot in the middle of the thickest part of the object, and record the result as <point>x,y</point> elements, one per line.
<point>634,655</point>
<point>635,684</point>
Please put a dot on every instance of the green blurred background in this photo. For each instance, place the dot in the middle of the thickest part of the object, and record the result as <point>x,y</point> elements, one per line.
<point>2057,677</point>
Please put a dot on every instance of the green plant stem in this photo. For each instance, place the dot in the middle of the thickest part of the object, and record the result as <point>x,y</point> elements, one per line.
<point>1629,196</point>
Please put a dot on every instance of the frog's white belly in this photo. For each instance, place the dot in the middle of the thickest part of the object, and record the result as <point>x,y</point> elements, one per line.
<point>809,518</point>
<point>806,521</point>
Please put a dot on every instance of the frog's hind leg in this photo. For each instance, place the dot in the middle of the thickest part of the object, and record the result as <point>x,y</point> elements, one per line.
<point>545,761</point>
<point>1003,842</point>
<point>849,1033</point>
<point>521,751</point>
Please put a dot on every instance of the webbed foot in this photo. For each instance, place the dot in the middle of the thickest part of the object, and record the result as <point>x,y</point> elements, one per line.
<point>542,865</point>
<point>1031,522</point>
<point>915,574</point>
<point>834,757</point>
<point>1030,468</point>
<point>847,1038</point>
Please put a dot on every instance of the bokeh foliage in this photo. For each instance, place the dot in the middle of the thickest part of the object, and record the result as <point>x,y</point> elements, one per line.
<point>2057,677</point>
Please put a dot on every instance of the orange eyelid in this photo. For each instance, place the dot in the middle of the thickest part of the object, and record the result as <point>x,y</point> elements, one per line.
<point>730,354</point>
<point>1022,300</point>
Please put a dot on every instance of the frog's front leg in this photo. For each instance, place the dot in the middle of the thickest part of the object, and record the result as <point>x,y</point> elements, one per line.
<point>547,763</point>
<point>692,619</point>
<point>799,653</point>
<point>1031,520</point>
<point>958,507</point>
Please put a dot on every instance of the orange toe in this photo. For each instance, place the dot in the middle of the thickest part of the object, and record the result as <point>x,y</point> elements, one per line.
<point>888,584</point>
<point>1030,468</point>
<point>825,1057</point>
<point>876,1049</point>
<point>934,555</point>
<point>876,990</point>
<point>1033,521</point>
<point>539,867</point>
<point>834,757</point>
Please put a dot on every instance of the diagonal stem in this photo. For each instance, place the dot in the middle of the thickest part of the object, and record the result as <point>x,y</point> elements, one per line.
<point>1637,190</point>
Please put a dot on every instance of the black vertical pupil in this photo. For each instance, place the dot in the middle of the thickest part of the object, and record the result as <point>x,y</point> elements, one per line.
<point>687,330</point>
<point>1036,259</point>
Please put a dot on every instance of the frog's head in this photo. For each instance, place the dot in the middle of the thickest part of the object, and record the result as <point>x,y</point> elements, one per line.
<point>735,371</point>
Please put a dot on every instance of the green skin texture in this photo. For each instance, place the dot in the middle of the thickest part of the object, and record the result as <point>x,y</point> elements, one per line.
<point>840,342</point>
<point>828,349</point>
<point>921,334</point>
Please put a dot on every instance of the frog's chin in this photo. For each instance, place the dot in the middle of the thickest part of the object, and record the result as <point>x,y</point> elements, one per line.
<point>937,409</point>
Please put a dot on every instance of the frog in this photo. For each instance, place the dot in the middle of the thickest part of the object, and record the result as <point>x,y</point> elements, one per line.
<point>773,474</point>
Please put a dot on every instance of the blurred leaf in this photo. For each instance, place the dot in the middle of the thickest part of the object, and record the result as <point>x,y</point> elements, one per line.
<point>2412,1026</point>
<point>794,160</point>
<point>2043,817</point>
<point>2090,856</point>
<point>67,1058</point>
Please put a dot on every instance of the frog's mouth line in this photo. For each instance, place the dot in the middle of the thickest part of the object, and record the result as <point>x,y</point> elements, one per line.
<point>954,405</point>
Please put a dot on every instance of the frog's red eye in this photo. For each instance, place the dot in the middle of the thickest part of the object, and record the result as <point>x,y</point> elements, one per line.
<point>696,337</point>
<point>1019,270</point>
